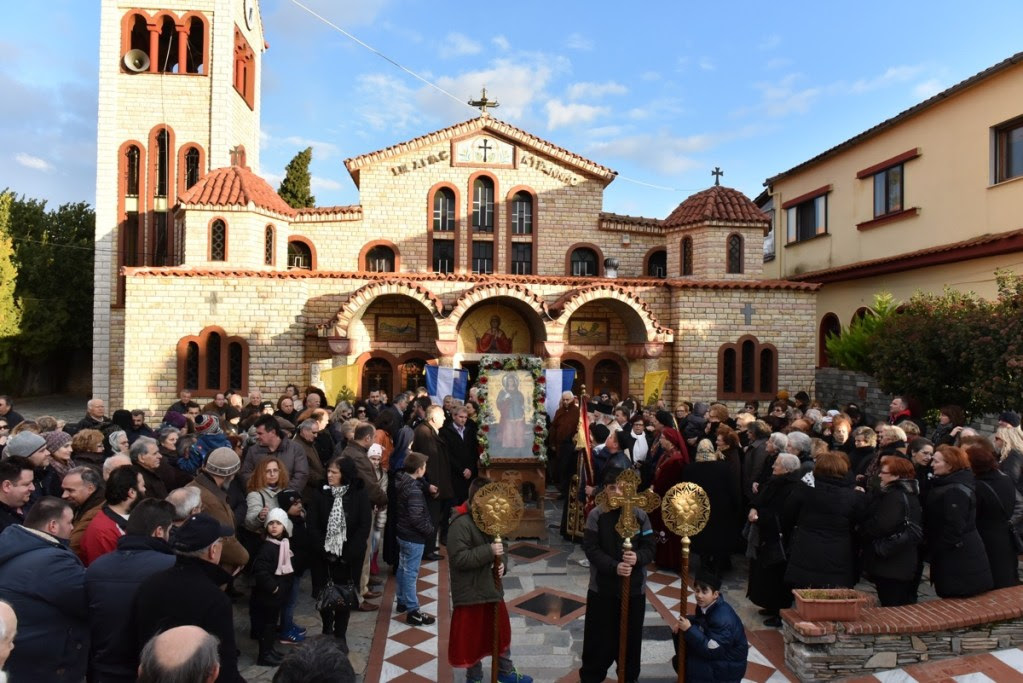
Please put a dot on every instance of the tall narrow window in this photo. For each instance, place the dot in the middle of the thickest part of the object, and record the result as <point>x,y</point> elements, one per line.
<point>735,255</point>
<point>443,256</point>
<point>218,240</point>
<point>131,171</point>
<point>584,262</point>
<point>213,349</point>
<point>483,257</point>
<point>657,264</point>
<point>728,366</point>
<point>748,366</point>
<point>380,259</point>
<point>236,369</point>
<point>167,50</point>
<point>162,169</point>
<point>768,363</point>
<point>483,205</point>
<point>522,258</point>
<point>687,255</point>
<point>138,39</point>
<point>522,214</point>
<point>191,167</point>
<point>444,210</point>
<point>747,370</point>
<point>268,246</point>
<point>161,239</point>
<point>191,379</point>
<point>196,47</point>
<point>212,362</point>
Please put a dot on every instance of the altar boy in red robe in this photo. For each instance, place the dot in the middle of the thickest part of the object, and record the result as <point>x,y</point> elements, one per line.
<point>477,599</point>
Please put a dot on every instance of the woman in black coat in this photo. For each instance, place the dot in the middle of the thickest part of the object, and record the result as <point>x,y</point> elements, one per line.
<point>714,543</point>
<point>769,539</point>
<point>996,498</point>
<point>825,516</point>
<point>894,575</point>
<point>340,555</point>
<point>959,564</point>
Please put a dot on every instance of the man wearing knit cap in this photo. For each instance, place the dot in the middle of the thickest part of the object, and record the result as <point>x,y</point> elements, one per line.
<point>221,466</point>
<point>1009,419</point>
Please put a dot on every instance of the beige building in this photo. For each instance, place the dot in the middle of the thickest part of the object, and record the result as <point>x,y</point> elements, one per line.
<point>928,199</point>
<point>208,280</point>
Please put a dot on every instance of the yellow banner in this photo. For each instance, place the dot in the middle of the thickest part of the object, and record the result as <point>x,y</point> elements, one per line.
<point>340,383</point>
<point>653,386</point>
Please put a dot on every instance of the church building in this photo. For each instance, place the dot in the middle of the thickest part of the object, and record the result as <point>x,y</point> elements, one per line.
<point>477,238</point>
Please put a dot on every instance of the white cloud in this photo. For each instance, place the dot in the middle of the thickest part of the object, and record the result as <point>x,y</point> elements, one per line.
<point>706,64</point>
<point>891,75</point>
<point>559,114</point>
<point>662,153</point>
<point>578,91</point>
<point>33,162</point>
<point>605,131</point>
<point>273,179</point>
<point>457,45</point>
<point>928,88</point>
<point>318,183</point>
<point>500,42</point>
<point>386,103</point>
<point>783,97</point>
<point>321,148</point>
<point>576,41</point>
<point>770,42</point>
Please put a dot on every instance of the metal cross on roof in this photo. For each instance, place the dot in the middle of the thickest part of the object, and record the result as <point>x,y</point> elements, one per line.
<point>482,103</point>
<point>717,173</point>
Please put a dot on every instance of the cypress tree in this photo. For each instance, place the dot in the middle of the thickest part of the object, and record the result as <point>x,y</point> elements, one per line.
<point>295,189</point>
<point>10,310</point>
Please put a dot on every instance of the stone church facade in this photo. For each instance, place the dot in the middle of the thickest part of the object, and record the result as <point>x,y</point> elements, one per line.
<point>206,279</point>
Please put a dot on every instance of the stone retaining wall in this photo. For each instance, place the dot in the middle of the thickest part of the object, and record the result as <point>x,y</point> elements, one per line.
<point>892,637</point>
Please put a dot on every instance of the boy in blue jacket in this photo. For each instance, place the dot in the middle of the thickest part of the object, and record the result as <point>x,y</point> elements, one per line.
<point>716,645</point>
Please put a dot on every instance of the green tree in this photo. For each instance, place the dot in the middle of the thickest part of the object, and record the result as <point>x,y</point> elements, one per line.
<point>296,187</point>
<point>10,309</point>
<point>851,349</point>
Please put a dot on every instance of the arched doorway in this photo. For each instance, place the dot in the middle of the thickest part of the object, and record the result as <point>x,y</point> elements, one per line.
<point>377,374</point>
<point>607,377</point>
<point>829,326</point>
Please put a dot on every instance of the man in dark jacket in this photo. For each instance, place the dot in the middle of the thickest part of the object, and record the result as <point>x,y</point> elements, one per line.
<point>438,472</point>
<point>189,593</point>
<point>16,487</point>
<point>111,583</point>
<point>459,436</point>
<point>608,564</point>
<point>716,645</point>
<point>94,418</point>
<point>44,583</point>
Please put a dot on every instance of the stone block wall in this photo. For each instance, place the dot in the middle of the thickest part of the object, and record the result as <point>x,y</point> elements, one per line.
<point>892,637</point>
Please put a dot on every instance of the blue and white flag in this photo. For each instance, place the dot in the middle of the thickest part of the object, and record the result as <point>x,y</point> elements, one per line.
<point>441,382</point>
<point>558,381</point>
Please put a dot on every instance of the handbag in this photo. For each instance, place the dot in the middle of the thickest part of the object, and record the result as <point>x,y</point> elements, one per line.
<point>337,597</point>
<point>909,535</point>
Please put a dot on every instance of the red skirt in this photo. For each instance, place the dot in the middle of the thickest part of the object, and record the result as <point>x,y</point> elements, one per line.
<point>472,633</point>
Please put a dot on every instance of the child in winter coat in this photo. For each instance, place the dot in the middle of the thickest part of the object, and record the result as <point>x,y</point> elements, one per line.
<point>274,575</point>
<point>716,645</point>
<point>291,501</point>
<point>414,529</point>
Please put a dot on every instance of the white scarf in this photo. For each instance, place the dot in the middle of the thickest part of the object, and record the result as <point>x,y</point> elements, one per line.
<point>337,530</point>
<point>640,448</point>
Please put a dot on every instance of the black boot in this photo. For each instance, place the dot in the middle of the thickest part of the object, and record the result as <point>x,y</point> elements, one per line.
<point>268,656</point>
<point>327,617</point>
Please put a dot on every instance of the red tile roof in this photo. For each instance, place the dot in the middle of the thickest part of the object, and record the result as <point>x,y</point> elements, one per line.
<point>603,173</point>
<point>718,203</point>
<point>235,186</point>
<point>526,280</point>
<point>975,247</point>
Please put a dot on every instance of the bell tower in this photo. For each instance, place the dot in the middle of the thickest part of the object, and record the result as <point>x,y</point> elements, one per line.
<point>178,90</point>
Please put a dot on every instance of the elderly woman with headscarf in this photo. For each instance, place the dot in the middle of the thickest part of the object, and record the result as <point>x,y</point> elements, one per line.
<point>339,519</point>
<point>769,539</point>
<point>670,467</point>
<point>713,474</point>
<point>118,442</point>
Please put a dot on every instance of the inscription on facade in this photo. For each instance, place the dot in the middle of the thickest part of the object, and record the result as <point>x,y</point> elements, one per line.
<point>416,164</point>
<point>549,169</point>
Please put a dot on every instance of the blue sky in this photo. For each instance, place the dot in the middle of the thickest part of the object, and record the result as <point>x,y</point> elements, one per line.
<point>661,92</point>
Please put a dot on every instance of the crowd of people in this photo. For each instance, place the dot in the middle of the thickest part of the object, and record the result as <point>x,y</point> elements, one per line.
<point>123,547</point>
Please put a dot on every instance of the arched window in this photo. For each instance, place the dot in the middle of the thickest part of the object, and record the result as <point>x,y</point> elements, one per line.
<point>584,262</point>
<point>218,240</point>
<point>212,362</point>
<point>483,205</point>
<point>300,256</point>
<point>269,246</point>
<point>687,255</point>
<point>162,162</point>
<point>522,214</point>
<point>380,259</point>
<point>167,47</point>
<point>734,257</point>
<point>137,30</point>
<point>444,210</point>
<point>244,69</point>
<point>132,169</point>
<point>829,326</point>
<point>377,374</point>
<point>747,370</point>
<point>412,374</point>
<point>192,170</point>
<point>657,264</point>
<point>195,57</point>
<point>860,313</point>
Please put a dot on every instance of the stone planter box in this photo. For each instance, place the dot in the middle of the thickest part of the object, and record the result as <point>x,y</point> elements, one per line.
<point>829,604</point>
